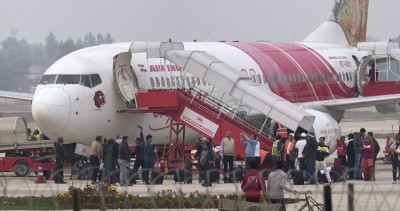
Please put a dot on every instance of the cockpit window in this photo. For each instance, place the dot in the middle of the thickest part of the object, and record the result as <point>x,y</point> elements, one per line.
<point>48,79</point>
<point>96,80</point>
<point>85,81</point>
<point>68,79</point>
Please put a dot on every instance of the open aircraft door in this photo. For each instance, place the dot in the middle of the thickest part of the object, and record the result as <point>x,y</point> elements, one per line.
<point>361,72</point>
<point>125,78</point>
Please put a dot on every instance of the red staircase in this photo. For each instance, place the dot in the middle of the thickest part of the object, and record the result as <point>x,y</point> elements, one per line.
<point>202,113</point>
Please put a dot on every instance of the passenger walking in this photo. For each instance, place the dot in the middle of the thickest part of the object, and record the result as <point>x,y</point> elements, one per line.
<point>394,148</point>
<point>276,184</point>
<point>227,151</point>
<point>300,144</point>
<point>310,155</point>
<point>148,158</point>
<point>253,184</point>
<point>59,174</point>
<point>199,149</point>
<point>322,153</point>
<point>277,147</point>
<point>358,142</point>
<point>139,157</point>
<point>350,156</point>
<point>123,161</point>
<point>250,146</point>
<point>368,159</point>
<point>341,148</point>
<point>207,159</point>
<point>108,161</point>
<point>96,154</point>
<point>289,155</point>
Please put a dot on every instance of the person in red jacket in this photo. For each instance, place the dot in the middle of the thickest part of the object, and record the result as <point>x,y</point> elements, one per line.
<point>341,147</point>
<point>253,183</point>
<point>368,159</point>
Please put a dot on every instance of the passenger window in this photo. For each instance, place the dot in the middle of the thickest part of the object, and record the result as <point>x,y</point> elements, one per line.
<point>85,81</point>
<point>157,81</point>
<point>152,82</point>
<point>168,82</point>
<point>162,82</point>
<point>198,81</point>
<point>96,80</point>
<point>68,79</point>
<point>259,79</point>
<point>265,79</point>
<point>173,82</point>
<point>347,77</point>
<point>193,81</point>
<point>47,79</point>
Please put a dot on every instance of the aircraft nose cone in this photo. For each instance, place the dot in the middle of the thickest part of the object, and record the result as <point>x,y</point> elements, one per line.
<point>50,110</point>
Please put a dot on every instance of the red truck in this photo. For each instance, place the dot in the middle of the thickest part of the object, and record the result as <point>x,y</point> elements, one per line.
<point>21,156</point>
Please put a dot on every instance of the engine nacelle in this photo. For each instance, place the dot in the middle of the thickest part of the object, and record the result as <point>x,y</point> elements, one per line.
<point>326,126</point>
<point>388,109</point>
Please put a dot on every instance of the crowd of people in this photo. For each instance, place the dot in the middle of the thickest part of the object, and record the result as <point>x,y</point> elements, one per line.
<point>302,154</point>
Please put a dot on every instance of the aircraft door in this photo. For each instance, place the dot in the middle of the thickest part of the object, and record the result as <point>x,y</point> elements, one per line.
<point>125,78</point>
<point>361,72</point>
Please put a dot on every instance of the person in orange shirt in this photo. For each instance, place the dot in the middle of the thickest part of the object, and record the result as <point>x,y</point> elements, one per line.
<point>289,154</point>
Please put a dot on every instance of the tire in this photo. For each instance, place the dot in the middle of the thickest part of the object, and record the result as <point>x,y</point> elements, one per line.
<point>21,168</point>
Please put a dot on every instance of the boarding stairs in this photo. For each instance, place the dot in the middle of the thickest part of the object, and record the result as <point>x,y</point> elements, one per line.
<point>202,113</point>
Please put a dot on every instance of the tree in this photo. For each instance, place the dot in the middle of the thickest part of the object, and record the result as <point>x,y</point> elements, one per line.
<point>67,47</point>
<point>52,49</point>
<point>108,39</point>
<point>14,61</point>
<point>100,39</point>
<point>89,40</point>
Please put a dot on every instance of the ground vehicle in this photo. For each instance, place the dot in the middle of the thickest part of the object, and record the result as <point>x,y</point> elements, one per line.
<point>19,155</point>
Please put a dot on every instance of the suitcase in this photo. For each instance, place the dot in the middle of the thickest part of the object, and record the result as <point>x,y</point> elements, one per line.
<point>338,174</point>
<point>337,162</point>
<point>157,177</point>
<point>298,178</point>
<point>214,175</point>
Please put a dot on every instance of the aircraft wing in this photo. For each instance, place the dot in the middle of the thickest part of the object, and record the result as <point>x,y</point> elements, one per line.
<point>359,102</point>
<point>16,95</point>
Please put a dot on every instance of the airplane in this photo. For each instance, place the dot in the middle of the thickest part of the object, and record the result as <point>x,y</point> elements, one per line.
<point>78,96</point>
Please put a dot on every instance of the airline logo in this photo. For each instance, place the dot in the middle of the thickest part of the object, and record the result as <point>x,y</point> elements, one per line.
<point>199,122</point>
<point>99,99</point>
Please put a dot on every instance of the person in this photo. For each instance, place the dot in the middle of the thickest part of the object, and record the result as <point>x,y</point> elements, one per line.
<point>372,74</point>
<point>59,174</point>
<point>322,153</point>
<point>119,139</point>
<point>29,134</point>
<point>394,149</point>
<point>276,148</point>
<point>123,161</point>
<point>227,151</point>
<point>139,154</point>
<point>266,162</point>
<point>300,144</point>
<point>310,155</point>
<point>257,153</point>
<point>253,184</point>
<point>36,135</point>
<point>276,184</point>
<point>108,161</point>
<point>199,149</point>
<point>250,146</point>
<point>350,156</point>
<point>148,158</point>
<point>358,142</point>
<point>207,159</point>
<point>377,148</point>
<point>341,147</point>
<point>289,153</point>
<point>368,159</point>
<point>96,153</point>
<point>115,158</point>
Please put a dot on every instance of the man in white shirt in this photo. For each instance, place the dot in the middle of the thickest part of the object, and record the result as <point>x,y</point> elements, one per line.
<point>300,144</point>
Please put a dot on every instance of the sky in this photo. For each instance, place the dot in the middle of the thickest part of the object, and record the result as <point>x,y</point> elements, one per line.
<point>182,20</point>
